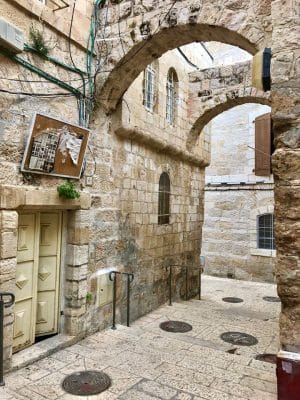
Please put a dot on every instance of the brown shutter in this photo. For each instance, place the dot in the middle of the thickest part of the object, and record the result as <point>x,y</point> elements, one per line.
<point>263,145</point>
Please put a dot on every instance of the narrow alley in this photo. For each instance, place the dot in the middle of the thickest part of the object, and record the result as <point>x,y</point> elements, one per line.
<point>146,363</point>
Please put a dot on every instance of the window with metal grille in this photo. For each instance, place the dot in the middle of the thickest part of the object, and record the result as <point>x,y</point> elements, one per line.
<point>171,96</point>
<point>149,87</point>
<point>265,232</point>
<point>164,199</point>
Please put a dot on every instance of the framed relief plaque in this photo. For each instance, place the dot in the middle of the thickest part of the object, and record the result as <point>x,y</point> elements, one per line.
<point>55,148</point>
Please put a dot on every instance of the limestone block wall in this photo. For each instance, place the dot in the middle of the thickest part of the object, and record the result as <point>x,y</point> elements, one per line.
<point>20,191</point>
<point>285,112</point>
<point>150,247</point>
<point>135,121</point>
<point>234,197</point>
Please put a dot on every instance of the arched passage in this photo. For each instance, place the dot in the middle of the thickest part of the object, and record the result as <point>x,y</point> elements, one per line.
<point>159,26</point>
<point>148,29</point>
<point>221,104</point>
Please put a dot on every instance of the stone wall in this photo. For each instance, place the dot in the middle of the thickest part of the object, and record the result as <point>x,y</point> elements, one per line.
<point>285,112</point>
<point>150,28</point>
<point>234,197</point>
<point>22,191</point>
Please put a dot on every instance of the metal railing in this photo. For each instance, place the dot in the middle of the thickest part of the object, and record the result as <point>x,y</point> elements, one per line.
<point>113,278</point>
<point>6,300</point>
<point>187,269</point>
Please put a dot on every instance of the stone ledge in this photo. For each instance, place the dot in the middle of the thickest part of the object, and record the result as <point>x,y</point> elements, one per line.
<point>59,22</point>
<point>12,197</point>
<point>41,350</point>
<point>160,145</point>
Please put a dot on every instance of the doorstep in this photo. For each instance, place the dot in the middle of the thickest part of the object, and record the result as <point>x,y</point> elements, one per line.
<point>41,350</point>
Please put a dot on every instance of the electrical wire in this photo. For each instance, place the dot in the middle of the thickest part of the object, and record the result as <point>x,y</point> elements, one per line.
<point>81,101</point>
<point>34,81</point>
<point>37,94</point>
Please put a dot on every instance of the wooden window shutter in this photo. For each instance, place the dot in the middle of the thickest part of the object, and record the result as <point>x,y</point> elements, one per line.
<point>263,145</point>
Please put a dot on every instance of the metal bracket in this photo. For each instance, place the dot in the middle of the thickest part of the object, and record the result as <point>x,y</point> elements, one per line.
<point>58,4</point>
<point>10,301</point>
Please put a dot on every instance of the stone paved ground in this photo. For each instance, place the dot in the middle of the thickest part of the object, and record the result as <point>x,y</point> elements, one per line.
<point>146,363</point>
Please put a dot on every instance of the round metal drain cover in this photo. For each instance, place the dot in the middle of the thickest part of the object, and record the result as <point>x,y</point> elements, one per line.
<point>270,358</point>
<point>232,300</point>
<point>175,326</point>
<point>86,383</point>
<point>272,299</point>
<point>239,338</point>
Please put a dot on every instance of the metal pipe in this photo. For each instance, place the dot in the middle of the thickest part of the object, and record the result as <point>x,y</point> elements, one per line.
<point>1,342</point>
<point>170,286</point>
<point>3,304</point>
<point>113,277</point>
<point>186,282</point>
<point>130,278</point>
<point>200,272</point>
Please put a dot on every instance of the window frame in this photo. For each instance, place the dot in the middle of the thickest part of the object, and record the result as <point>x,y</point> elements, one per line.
<point>171,89</point>
<point>149,87</point>
<point>164,197</point>
<point>262,229</point>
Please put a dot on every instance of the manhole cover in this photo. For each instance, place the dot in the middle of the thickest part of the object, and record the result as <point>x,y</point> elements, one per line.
<point>270,358</point>
<point>232,300</point>
<point>239,338</point>
<point>175,326</point>
<point>85,383</point>
<point>272,299</point>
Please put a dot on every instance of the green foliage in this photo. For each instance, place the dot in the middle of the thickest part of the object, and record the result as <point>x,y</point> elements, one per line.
<point>68,191</point>
<point>89,297</point>
<point>38,42</point>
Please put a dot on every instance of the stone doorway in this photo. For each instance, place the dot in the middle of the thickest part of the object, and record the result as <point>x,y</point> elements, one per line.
<point>37,290</point>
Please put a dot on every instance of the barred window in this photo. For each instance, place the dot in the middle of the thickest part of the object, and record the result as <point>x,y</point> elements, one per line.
<point>149,87</point>
<point>265,232</point>
<point>164,199</point>
<point>171,96</point>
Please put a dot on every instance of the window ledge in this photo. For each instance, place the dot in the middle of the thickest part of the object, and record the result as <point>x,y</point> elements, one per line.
<point>263,252</point>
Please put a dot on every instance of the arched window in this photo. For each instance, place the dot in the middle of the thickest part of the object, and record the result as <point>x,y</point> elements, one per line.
<point>171,89</point>
<point>164,199</point>
<point>265,232</point>
<point>149,87</point>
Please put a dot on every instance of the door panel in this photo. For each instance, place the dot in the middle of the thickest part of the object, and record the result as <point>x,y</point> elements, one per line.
<point>23,336</point>
<point>45,317</point>
<point>37,277</point>
<point>48,274</point>
<point>26,237</point>
<point>49,227</point>
<point>25,290</point>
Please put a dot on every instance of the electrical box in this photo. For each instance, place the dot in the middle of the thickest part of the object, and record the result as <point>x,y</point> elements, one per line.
<point>261,70</point>
<point>104,290</point>
<point>11,37</point>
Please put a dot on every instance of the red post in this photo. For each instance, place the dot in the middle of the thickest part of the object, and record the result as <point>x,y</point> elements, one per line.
<point>288,375</point>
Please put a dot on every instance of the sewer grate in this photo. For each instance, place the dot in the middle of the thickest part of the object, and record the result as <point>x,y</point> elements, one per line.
<point>175,326</point>
<point>273,299</point>
<point>266,357</point>
<point>86,383</point>
<point>232,300</point>
<point>239,338</point>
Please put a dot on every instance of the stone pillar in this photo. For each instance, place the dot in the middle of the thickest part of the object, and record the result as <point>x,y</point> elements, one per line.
<point>286,169</point>
<point>75,288</point>
<point>8,266</point>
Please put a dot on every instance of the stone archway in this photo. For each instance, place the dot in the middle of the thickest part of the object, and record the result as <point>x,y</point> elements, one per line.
<point>148,29</point>
<point>208,99</point>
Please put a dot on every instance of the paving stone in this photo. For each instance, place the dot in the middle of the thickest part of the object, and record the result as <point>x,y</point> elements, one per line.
<point>146,363</point>
<point>156,389</point>
<point>121,380</point>
<point>134,394</point>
